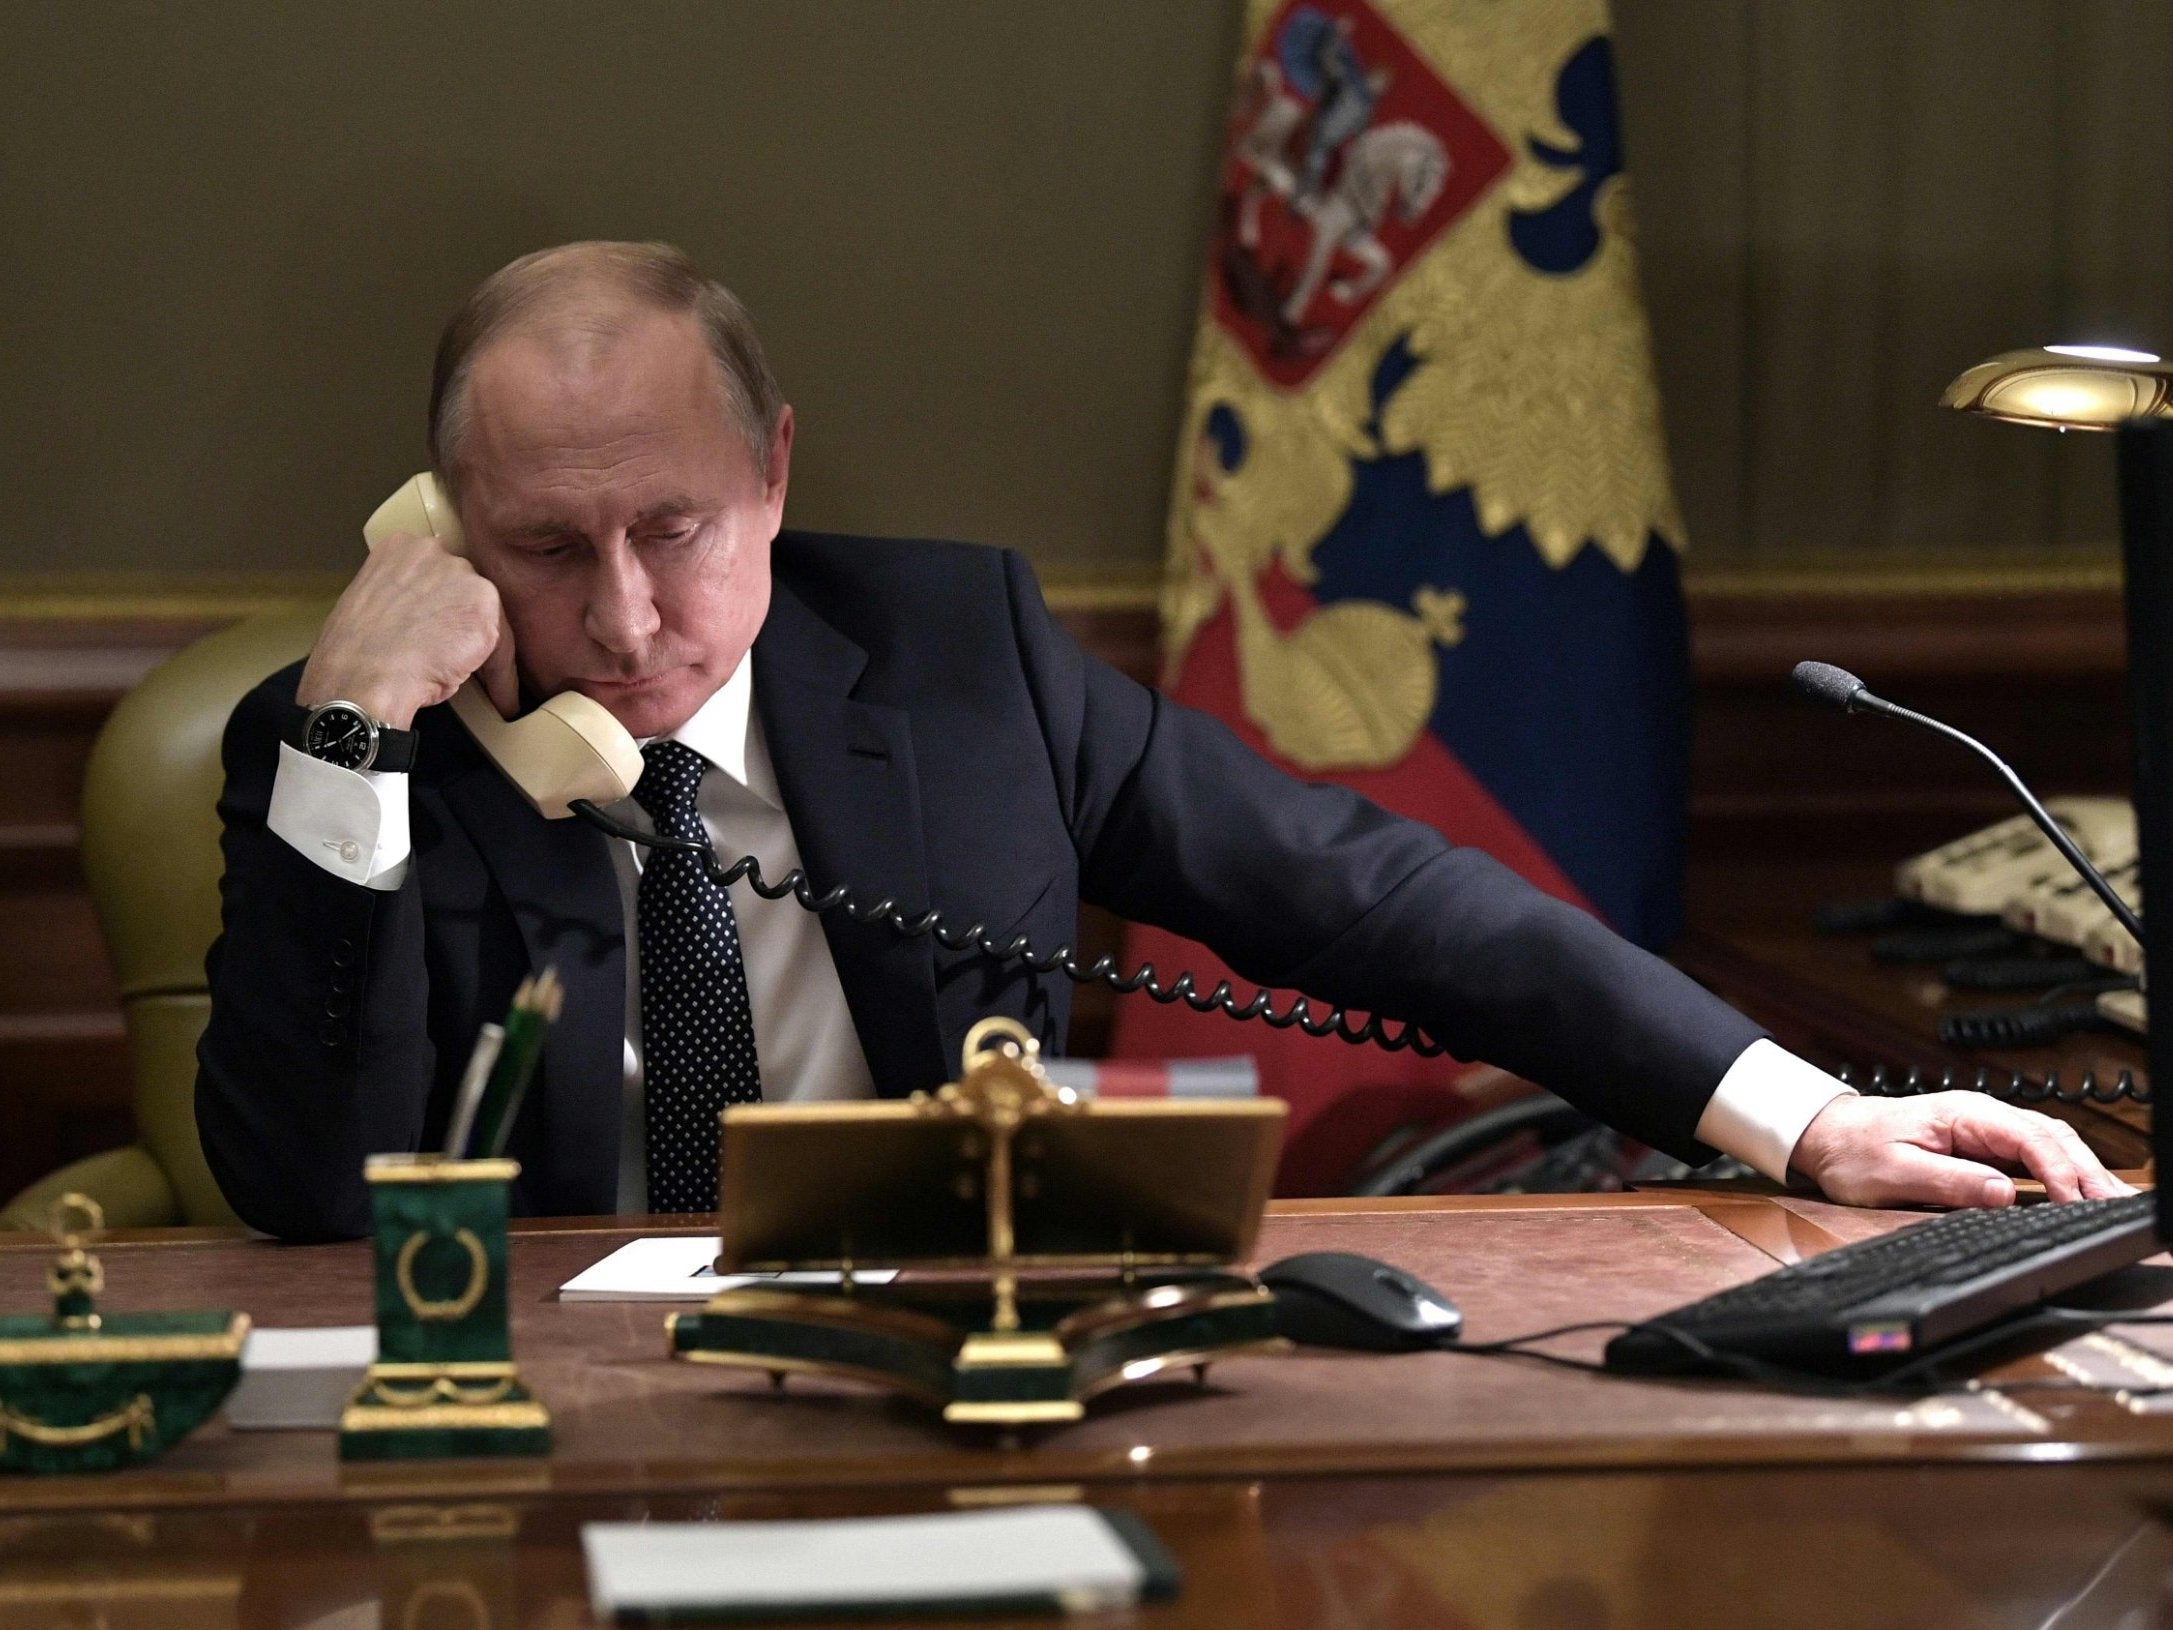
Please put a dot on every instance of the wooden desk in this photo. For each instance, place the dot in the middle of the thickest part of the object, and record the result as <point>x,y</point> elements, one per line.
<point>1306,1490</point>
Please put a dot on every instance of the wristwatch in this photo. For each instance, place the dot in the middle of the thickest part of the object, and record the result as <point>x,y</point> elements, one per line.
<point>342,733</point>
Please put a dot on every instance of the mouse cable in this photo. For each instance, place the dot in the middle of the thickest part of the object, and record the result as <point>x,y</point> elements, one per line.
<point>2100,1316</point>
<point>1737,1366</point>
<point>1104,971</point>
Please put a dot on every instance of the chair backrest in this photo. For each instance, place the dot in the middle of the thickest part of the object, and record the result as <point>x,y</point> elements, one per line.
<point>151,855</point>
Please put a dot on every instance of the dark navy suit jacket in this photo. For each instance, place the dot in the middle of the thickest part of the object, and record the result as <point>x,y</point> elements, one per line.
<point>939,740</point>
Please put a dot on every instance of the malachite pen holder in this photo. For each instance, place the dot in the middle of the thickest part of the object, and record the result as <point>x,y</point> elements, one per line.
<point>444,1382</point>
<point>84,1391</point>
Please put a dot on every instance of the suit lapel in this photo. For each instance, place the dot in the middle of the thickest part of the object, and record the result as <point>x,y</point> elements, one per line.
<point>558,878</point>
<point>846,770</point>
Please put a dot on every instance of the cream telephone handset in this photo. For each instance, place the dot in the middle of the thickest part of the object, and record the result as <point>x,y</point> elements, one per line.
<point>570,747</point>
<point>571,757</point>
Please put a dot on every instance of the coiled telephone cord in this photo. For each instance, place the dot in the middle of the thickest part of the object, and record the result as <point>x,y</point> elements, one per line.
<point>1299,1015</point>
<point>2010,1086</point>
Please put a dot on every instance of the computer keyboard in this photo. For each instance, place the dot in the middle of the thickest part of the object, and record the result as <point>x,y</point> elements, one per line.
<point>1880,1302</point>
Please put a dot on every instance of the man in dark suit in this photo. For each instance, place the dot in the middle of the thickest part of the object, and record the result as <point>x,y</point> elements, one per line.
<point>903,718</point>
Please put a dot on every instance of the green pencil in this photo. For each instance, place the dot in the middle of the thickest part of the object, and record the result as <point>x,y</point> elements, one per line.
<point>535,1005</point>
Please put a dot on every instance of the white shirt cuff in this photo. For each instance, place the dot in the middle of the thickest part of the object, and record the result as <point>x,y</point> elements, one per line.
<point>353,824</point>
<point>1762,1106</point>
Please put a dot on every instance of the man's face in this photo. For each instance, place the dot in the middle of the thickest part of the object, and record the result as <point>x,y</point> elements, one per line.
<point>607,492</point>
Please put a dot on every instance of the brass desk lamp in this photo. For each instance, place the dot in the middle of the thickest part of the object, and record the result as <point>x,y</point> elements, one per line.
<point>2105,387</point>
<point>2067,387</point>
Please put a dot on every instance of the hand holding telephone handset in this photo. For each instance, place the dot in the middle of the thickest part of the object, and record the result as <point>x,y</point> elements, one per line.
<point>569,755</point>
<point>570,747</point>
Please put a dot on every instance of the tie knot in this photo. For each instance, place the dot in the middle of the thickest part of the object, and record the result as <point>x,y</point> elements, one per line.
<point>671,771</point>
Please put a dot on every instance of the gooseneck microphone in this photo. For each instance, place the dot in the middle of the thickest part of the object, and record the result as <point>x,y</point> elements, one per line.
<point>1837,687</point>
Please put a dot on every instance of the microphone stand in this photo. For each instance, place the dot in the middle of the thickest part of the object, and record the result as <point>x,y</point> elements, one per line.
<point>1860,700</point>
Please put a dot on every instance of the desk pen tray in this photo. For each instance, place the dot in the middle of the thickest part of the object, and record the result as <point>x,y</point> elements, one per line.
<point>117,1392</point>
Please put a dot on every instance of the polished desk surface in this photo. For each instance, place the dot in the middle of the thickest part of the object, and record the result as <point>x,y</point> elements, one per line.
<point>1308,1489</point>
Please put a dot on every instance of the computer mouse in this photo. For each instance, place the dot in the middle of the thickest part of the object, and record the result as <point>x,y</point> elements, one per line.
<point>1341,1299</point>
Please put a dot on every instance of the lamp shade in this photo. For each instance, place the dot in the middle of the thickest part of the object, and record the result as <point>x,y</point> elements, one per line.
<point>2067,387</point>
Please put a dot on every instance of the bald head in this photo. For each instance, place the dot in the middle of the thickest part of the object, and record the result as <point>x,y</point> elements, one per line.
<point>580,301</point>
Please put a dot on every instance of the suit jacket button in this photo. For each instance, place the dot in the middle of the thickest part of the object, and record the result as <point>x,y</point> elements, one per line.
<point>341,984</point>
<point>343,954</point>
<point>337,1007</point>
<point>334,1034</point>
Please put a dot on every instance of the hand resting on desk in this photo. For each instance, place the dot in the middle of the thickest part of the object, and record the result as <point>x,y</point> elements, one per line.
<point>1944,1149</point>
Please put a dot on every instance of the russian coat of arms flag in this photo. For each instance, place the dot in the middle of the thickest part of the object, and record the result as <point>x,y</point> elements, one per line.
<point>1422,539</point>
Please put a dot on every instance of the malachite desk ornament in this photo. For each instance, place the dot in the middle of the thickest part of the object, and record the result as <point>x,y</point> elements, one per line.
<point>84,1391</point>
<point>1048,1247</point>
<point>444,1382</point>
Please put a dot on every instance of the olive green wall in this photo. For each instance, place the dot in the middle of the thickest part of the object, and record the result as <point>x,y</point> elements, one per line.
<point>970,229</point>
<point>973,232</point>
<point>1842,204</point>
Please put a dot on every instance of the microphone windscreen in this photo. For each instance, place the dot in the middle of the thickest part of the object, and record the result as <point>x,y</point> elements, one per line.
<point>1823,682</point>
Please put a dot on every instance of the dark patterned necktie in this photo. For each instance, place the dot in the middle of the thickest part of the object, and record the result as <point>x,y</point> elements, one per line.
<point>697,1027</point>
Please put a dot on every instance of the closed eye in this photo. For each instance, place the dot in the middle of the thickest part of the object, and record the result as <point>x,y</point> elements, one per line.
<point>549,547</point>
<point>542,538</point>
<point>672,529</point>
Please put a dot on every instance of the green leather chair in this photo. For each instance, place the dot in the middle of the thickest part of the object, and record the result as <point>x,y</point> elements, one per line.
<point>151,855</point>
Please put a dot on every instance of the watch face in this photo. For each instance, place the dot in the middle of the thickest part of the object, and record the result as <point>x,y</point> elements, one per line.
<point>339,735</point>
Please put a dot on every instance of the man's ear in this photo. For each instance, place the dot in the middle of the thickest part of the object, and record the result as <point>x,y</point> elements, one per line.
<point>780,464</point>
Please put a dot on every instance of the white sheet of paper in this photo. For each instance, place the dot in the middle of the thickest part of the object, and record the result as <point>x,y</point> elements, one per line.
<point>299,1380</point>
<point>676,1268</point>
<point>1066,1555</point>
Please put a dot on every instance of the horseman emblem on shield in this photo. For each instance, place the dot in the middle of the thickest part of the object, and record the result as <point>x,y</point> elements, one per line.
<point>1348,155</point>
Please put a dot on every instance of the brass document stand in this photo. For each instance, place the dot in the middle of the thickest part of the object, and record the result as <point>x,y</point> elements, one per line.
<point>1048,1247</point>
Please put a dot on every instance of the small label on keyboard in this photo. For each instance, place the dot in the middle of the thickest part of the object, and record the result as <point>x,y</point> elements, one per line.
<point>1881,1336</point>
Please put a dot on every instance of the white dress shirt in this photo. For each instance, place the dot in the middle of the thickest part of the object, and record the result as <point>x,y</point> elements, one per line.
<point>356,826</point>
<point>805,1045</point>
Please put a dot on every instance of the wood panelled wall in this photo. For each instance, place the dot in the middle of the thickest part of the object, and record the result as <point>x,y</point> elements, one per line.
<point>1843,203</point>
<point>2038,673</point>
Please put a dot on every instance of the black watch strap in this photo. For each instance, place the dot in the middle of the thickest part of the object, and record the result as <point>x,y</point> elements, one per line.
<point>395,748</point>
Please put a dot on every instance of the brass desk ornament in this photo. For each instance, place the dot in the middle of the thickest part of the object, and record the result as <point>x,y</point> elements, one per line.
<point>444,1382</point>
<point>1049,1247</point>
<point>84,1391</point>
